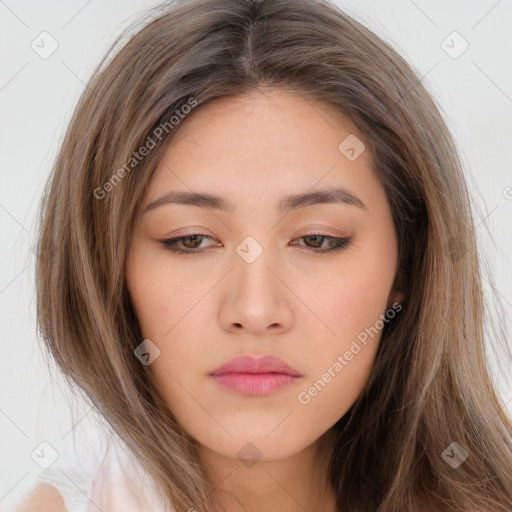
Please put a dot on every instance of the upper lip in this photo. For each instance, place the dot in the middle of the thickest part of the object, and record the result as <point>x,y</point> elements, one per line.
<point>251,364</point>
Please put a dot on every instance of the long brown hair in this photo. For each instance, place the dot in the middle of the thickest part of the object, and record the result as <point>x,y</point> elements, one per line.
<point>430,395</point>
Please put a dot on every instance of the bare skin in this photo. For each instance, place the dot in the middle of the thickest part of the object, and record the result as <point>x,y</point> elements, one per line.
<point>43,498</point>
<point>291,301</point>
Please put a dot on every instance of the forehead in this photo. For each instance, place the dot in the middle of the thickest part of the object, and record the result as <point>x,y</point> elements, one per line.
<point>260,143</point>
<point>277,117</point>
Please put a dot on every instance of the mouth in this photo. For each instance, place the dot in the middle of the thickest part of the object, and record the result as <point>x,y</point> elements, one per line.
<point>254,384</point>
<point>252,376</point>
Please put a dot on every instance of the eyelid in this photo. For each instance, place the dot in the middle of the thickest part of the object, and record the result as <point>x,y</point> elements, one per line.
<point>322,231</point>
<point>188,232</point>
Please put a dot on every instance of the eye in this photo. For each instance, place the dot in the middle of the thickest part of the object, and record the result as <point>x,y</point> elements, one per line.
<point>192,243</point>
<point>317,240</point>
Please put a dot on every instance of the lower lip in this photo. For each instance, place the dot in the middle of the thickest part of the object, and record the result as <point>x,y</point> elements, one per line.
<point>254,383</point>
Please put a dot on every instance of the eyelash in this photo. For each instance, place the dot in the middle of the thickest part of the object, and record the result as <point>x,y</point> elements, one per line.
<point>339,243</point>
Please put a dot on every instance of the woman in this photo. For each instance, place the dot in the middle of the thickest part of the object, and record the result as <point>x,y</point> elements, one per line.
<point>258,260</point>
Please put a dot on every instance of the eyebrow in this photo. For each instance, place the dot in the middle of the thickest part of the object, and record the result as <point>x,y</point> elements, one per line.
<point>286,204</point>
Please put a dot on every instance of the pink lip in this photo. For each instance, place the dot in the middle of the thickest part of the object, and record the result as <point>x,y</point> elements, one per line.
<point>255,376</point>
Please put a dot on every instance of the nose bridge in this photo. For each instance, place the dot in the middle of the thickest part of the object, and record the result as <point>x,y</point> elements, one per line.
<point>253,264</point>
<point>257,298</point>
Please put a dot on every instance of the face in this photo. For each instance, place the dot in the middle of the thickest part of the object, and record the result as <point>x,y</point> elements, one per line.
<point>306,284</point>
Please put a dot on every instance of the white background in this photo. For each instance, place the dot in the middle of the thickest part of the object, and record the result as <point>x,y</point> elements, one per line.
<point>36,100</point>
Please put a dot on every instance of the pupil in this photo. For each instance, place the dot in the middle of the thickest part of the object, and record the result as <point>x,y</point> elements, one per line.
<point>314,237</point>
<point>191,237</point>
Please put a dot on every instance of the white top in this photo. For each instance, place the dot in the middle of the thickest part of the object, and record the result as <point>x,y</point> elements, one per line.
<point>102,474</point>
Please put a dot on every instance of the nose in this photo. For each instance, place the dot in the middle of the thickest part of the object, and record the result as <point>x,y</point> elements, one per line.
<point>257,298</point>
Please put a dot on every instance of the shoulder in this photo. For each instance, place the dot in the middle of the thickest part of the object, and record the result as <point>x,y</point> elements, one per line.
<point>42,498</point>
<point>68,483</point>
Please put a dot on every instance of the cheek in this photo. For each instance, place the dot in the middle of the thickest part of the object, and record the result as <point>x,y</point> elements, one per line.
<point>349,304</point>
<point>168,309</point>
<point>159,295</point>
<point>344,357</point>
<point>342,360</point>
